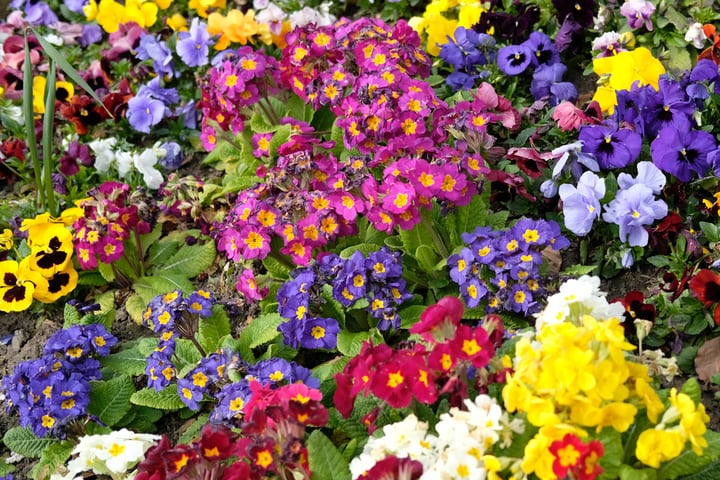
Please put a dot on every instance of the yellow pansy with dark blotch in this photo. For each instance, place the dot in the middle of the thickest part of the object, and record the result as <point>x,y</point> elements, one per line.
<point>17,285</point>
<point>51,248</point>
<point>58,285</point>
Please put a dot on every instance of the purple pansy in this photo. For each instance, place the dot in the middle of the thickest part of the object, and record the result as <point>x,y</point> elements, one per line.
<point>682,152</point>
<point>613,147</point>
<point>581,204</point>
<point>514,59</point>
<point>633,209</point>
<point>144,112</point>
<point>193,46</point>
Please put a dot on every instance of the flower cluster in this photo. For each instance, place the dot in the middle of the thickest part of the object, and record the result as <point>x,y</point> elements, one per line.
<point>574,375</point>
<point>112,215</point>
<point>50,392</point>
<point>376,279</point>
<point>237,80</point>
<point>47,273</point>
<point>454,352</point>
<point>502,267</point>
<point>441,19</point>
<point>272,439</point>
<point>111,454</point>
<point>468,52</point>
<point>481,424</point>
<point>173,316</point>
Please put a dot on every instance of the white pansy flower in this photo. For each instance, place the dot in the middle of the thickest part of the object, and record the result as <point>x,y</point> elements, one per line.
<point>124,163</point>
<point>696,35</point>
<point>145,164</point>
<point>104,154</point>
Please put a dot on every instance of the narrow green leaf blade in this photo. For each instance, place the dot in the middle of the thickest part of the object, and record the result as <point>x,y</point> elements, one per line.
<point>68,69</point>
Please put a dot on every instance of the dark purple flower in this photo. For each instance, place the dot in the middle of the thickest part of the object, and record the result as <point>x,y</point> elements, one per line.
<point>76,153</point>
<point>682,152</point>
<point>581,11</point>
<point>514,59</point>
<point>667,107</point>
<point>570,36</point>
<point>613,147</point>
<point>507,26</point>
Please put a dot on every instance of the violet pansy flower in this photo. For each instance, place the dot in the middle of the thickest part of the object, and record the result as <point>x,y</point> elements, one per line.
<point>581,204</point>
<point>613,147</point>
<point>682,152</point>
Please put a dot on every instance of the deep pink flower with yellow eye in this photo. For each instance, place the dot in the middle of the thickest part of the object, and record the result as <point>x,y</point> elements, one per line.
<point>473,344</point>
<point>109,249</point>
<point>398,198</point>
<point>254,242</point>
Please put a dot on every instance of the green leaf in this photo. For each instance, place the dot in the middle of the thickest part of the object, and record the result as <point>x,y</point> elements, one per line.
<point>135,306</point>
<point>6,468</point>
<point>629,473</point>
<point>426,258</point>
<point>192,432</point>
<point>471,216</point>
<point>128,362</point>
<point>71,316</point>
<point>350,343</point>
<point>659,261</point>
<point>363,248</point>
<point>688,462</point>
<point>213,329</point>
<point>23,441</point>
<point>167,399</point>
<point>147,240</point>
<point>186,356</point>
<point>325,460</point>
<point>161,252</point>
<point>260,330</point>
<point>106,271</point>
<point>691,388</point>
<point>190,260</point>
<point>409,316</point>
<point>613,453</point>
<point>710,230</point>
<point>276,268</point>
<point>160,283</point>
<point>577,270</point>
<point>411,239</point>
<point>327,370</point>
<point>52,457</point>
<point>297,108</point>
<point>59,58</point>
<point>110,400</point>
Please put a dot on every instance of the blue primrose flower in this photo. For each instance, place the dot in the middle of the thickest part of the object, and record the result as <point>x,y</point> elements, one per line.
<point>581,204</point>
<point>320,333</point>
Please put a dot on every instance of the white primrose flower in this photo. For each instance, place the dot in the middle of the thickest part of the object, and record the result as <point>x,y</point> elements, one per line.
<point>112,454</point>
<point>578,297</point>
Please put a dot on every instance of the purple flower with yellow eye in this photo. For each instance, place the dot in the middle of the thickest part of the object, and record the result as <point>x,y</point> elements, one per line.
<point>320,333</point>
<point>542,48</point>
<point>633,209</point>
<point>514,59</point>
<point>581,204</point>
<point>193,46</point>
<point>682,152</point>
<point>612,146</point>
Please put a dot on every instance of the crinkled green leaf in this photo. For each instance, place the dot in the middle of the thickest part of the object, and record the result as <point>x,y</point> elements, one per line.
<point>160,252</point>
<point>326,462</point>
<point>110,400</point>
<point>52,457</point>
<point>189,261</point>
<point>23,441</point>
<point>129,362</point>
<point>213,329</point>
<point>364,248</point>
<point>167,399</point>
<point>260,330</point>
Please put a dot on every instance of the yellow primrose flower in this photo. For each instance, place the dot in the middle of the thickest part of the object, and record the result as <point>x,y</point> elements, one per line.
<point>657,446</point>
<point>692,419</point>
<point>6,240</point>
<point>621,71</point>
<point>163,4</point>
<point>17,285</point>
<point>177,22</point>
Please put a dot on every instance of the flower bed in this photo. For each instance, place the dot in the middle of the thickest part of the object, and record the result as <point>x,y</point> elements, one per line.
<point>359,241</point>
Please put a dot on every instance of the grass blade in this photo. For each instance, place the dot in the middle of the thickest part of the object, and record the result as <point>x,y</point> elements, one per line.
<point>47,138</point>
<point>68,69</point>
<point>29,115</point>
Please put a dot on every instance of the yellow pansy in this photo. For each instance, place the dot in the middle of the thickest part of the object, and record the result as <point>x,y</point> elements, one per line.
<point>621,71</point>
<point>17,285</point>
<point>177,22</point>
<point>202,6</point>
<point>57,285</point>
<point>6,240</point>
